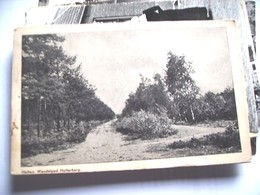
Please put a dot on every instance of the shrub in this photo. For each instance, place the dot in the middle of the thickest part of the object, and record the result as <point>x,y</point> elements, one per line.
<point>228,140</point>
<point>33,145</point>
<point>192,143</point>
<point>145,125</point>
<point>78,134</point>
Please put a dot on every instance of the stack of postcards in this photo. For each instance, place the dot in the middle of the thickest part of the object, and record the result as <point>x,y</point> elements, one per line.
<point>111,85</point>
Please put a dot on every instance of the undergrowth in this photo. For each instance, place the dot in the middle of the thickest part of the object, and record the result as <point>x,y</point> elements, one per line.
<point>145,125</point>
<point>56,140</point>
<point>228,141</point>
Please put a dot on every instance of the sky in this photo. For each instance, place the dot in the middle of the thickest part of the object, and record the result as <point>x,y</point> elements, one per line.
<point>112,61</point>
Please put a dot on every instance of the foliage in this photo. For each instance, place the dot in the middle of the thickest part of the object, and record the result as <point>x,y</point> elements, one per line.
<point>145,125</point>
<point>181,86</point>
<point>77,134</point>
<point>174,95</point>
<point>53,87</point>
<point>220,106</point>
<point>33,145</point>
<point>149,96</point>
<point>229,140</point>
<point>177,94</point>
<point>54,92</point>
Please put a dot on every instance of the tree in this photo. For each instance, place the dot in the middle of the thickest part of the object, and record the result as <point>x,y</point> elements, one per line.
<point>43,63</point>
<point>229,111</point>
<point>149,96</point>
<point>54,92</point>
<point>218,106</point>
<point>214,105</point>
<point>181,86</point>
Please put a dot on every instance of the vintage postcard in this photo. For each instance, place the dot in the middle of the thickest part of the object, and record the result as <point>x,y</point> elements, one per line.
<point>250,8</point>
<point>127,96</point>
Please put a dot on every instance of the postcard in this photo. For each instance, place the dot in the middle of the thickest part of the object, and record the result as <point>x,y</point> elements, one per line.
<point>128,96</point>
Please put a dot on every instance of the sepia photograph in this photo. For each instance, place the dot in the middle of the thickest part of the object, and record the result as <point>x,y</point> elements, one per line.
<point>127,96</point>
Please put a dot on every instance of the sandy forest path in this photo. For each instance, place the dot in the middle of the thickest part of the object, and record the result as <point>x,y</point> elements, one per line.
<point>105,144</point>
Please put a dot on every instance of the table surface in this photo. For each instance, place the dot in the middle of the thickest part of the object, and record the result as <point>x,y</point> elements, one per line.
<point>221,179</point>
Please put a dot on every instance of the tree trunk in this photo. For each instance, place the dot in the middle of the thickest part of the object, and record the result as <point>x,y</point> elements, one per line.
<point>39,119</point>
<point>58,121</point>
<point>192,114</point>
<point>69,124</point>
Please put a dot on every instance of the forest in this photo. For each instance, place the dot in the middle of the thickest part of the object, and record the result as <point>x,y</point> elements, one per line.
<point>59,106</point>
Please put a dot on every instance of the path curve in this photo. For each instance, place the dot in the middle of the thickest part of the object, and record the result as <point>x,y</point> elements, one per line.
<point>105,144</point>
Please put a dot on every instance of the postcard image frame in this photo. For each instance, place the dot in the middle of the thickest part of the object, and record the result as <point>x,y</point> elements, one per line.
<point>127,96</point>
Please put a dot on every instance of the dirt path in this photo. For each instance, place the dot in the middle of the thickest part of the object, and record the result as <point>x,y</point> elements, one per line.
<point>105,144</point>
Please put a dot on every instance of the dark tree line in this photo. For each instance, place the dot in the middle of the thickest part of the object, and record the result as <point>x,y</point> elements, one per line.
<point>176,94</point>
<point>55,95</point>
